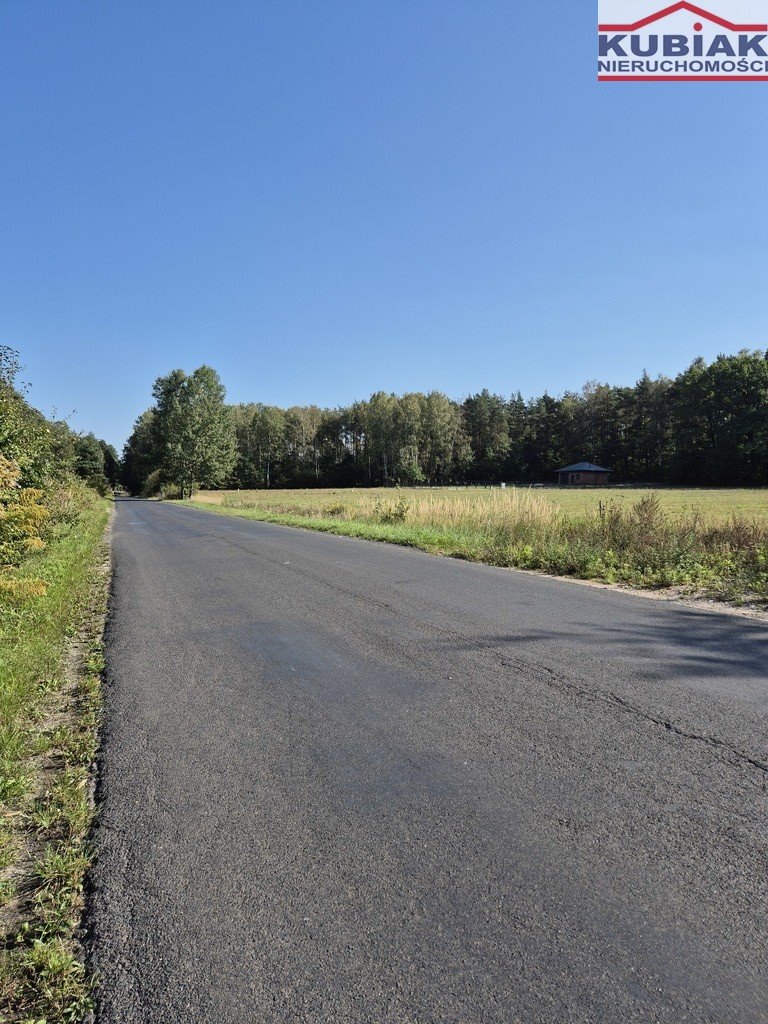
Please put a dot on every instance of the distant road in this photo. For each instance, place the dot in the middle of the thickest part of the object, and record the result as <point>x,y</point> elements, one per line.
<point>349,782</point>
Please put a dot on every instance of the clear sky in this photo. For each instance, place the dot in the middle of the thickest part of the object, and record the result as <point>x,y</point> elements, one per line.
<point>322,199</point>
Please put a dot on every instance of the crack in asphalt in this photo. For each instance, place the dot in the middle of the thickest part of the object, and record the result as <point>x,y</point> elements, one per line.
<point>560,682</point>
<point>712,741</point>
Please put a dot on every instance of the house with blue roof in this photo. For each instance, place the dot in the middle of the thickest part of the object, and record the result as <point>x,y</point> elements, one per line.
<point>584,473</point>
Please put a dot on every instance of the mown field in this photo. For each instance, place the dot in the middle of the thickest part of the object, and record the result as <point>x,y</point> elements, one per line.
<point>713,542</point>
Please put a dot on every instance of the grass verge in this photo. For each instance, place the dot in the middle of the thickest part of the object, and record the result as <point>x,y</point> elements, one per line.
<point>642,544</point>
<point>50,672</point>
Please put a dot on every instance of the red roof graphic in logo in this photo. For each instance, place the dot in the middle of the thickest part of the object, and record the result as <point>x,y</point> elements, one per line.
<point>683,6</point>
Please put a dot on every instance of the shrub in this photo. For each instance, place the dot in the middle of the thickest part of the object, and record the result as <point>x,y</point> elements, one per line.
<point>396,513</point>
<point>9,473</point>
<point>22,516</point>
<point>152,484</point>
<point>99,483</point>
<point>168,492</point>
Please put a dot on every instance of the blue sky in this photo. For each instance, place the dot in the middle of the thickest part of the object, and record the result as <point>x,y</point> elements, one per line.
<point>326,199</point>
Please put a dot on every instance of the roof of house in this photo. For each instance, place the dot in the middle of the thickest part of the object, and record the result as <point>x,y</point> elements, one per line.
<point>681,5</point>
<point>583,467</point>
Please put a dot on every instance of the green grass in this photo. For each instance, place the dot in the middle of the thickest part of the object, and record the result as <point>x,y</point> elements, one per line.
<point>714,504</point>
<point>713,543</point>
<point>47,744</point>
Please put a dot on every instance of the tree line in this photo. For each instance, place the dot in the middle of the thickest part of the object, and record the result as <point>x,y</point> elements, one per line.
<point>44,469</point>
<point>708,425</point>
<point>47,451</point>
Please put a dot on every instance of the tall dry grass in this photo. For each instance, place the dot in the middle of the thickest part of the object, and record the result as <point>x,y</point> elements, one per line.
<point>460,509</point>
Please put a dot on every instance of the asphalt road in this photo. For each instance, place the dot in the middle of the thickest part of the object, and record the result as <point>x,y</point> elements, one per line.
<point>349,782</point>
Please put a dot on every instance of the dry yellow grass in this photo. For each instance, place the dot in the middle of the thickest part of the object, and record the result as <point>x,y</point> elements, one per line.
<point>454,506</point>
<point>443,509</point>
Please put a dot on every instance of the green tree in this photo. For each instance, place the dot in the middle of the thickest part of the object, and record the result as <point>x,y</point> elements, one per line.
<point>302,451</point>
<point>649,430</point>
<point>380,434</point>
<point>24,432</point>
<point>548,442</point>
<point>196,438</point>
<point>408,439</point>
<point>141,454</point>
<point>111,464</point>
<point>443,441</point>
<point>89,456</point>
<point>268,433</point>
<point>517,423</point>
<point>720,420</point>
<point>487,427</point>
